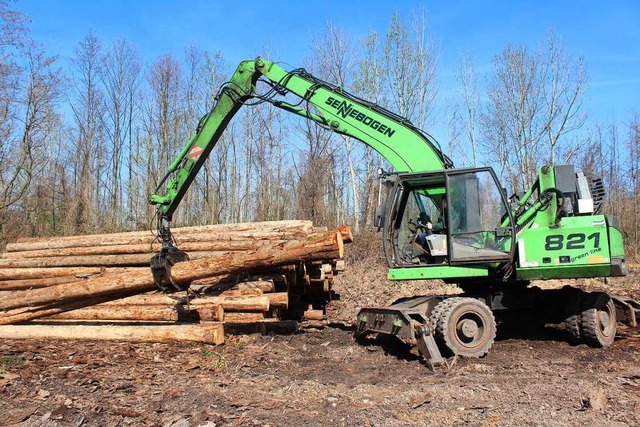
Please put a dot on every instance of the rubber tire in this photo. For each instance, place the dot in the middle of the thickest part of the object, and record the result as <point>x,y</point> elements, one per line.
<point>437,312</point>
<point>572,315</point>
<point>598,320</point>
<point>452,311</point>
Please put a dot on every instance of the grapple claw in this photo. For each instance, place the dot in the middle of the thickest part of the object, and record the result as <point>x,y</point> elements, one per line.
<point>161,269</point>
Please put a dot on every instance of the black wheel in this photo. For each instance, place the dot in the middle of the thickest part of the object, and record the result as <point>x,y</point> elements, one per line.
<point>437,312</point>
<point>465,326</point>
<point>598,320</point>
<point>572,313</point>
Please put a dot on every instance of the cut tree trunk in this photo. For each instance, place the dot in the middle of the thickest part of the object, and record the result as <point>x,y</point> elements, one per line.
<point>257,304</point>
<point>278,299</point>
<point>151,249</point>
<point>17,285</point>
<point>42,273</point>
<point>315,247</point>
<point>347,235</point>
<point>263,285</point>
<point>243,317</point>
<point>148,299</point>
<point>129,260</point>
<point>166,300</point>
<point>96,286</point>
<point>210,333</point>
<point>327,245</point>
<point>241,292</point>
<point>312,314</point>
<point>274,273</point>
<point>221,232</point>
<point>144,313</point>
<point>24,314</point>
<point>233,303</point>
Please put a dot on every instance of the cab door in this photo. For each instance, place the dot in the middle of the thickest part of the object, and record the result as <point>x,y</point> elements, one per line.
<point>414,234</point>
<point>479,224</point>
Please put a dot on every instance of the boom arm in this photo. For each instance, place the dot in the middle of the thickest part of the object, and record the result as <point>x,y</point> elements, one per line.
<point>403,145</point>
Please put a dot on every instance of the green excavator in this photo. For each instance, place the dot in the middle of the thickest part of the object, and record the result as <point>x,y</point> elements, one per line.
<point>438,222</point>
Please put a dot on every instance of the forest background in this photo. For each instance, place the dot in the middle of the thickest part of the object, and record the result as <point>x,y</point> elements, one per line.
<point>84,139</point>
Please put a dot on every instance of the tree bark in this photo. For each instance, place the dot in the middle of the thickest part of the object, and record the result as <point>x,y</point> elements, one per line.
<point>130,260</point>
<point>144,313</point>
<point>16,285</point>
<point>103,285</point>
<point>41,273</point>
<point>347,235</point>
<point>147,299</point>
<point>256,230</point>
<point>317,247</point>
<point>246,292</point>
<point>29,313</point>
<point>243,317</point>
<point>210,333</point>
<point>263,285</point>
<point>79,272</point>
<point>255,303</point>
<point>278,299</point>
<point>312,314</point>
<point>234,302</point>
<point>146,248</point>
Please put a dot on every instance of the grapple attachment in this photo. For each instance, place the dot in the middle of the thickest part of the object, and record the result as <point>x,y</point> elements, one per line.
<point>161,268</point>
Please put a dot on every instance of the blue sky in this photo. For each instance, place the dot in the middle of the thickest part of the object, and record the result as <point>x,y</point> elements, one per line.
<point>606,33</point>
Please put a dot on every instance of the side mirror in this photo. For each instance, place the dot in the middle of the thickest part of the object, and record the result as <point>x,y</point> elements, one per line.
<point>378,221</point>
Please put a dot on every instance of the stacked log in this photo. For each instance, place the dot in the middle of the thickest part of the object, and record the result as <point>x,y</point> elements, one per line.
<point>204,333</point>
<point>243,273</point>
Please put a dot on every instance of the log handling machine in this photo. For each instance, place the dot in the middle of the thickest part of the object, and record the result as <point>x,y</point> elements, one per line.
<point>440,222</point>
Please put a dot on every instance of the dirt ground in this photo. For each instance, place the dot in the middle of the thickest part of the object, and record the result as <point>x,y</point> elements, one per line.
<point>321,377</point>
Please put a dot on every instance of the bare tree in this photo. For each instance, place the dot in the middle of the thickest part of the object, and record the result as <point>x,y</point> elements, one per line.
<point>633,147</point>
<point>411,61</point>
<point>605,154</point>
<point>564,83</point>
<point>193,109</point>
<point>216,170</point>
<point>30,86</point>
<point>470,112</point>
<point>335,61</point>
<point>12,32</point>
<point>87,154</point>
<point>36,106</point>
<point>613,168</point>
<point>47,208</point>
<point>513,122</point>
<point>534,105</point>
<point>121,79</point>
<point>163,119</point>
<point>312,175</point>
<point>427,53</point>
<point>368,83</point>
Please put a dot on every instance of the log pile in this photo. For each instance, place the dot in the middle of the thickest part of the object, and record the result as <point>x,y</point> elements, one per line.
<point>101,286</point>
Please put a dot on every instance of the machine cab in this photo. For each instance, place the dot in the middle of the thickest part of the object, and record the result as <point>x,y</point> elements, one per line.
<point>447,218</point>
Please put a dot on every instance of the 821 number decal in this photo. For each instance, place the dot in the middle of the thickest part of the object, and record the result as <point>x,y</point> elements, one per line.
<point>556,242</point>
